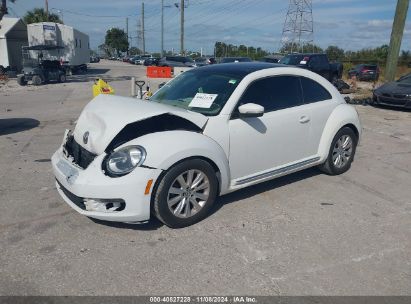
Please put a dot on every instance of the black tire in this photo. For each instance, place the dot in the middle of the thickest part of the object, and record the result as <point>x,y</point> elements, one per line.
<point>36,80</point>
<point>329,167</point>
<point>62,78</point>
<point>21,80</point>
<point>161,194</point>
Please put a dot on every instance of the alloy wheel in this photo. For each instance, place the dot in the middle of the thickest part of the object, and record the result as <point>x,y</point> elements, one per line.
<point>188,193</point>
<point>342,151</point>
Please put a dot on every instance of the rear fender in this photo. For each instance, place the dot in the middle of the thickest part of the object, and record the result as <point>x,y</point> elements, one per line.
<point>342,115</point>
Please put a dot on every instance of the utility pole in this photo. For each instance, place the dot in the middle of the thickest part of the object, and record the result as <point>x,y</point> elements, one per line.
<point>396,39</point>
<point>127,36</point>
<point>142,28</point>
<point>162,29</point>
<point>182,27</point>
<point>47,10</point>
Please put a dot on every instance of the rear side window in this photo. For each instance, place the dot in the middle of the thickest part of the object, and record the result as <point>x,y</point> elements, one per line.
<point>313,91</point>
<point>274,93</point>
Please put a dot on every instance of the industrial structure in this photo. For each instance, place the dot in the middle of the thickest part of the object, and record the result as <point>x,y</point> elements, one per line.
<point>298,30</point>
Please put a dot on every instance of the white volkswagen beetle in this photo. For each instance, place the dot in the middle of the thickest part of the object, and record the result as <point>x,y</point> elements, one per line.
<point>208,132</point>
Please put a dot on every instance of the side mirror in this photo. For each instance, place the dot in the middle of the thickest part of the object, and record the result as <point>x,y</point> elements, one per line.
<point>251,110</point>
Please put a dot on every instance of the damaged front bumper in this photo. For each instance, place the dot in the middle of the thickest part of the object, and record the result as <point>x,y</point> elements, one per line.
<point>94,194</point>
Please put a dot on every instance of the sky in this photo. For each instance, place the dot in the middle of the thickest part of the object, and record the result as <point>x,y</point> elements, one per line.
<point>349,24</point>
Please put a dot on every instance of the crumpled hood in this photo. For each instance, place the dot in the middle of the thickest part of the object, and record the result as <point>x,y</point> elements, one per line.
<point>106,115</point>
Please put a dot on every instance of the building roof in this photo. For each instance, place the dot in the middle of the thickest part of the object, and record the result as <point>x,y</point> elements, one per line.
<point>8,24</point>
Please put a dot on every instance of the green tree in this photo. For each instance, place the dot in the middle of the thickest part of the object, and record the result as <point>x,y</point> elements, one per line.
<point>117,39</point>
<point>106,50</point>
<point>291,47</point>
<point>334,52</point>
<point>134,51</point>
<point>39,15</point>
<point>3,7</point>
<point>405,56</point>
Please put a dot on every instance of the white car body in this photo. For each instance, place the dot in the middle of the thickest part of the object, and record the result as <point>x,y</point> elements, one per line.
<point>300,137</point>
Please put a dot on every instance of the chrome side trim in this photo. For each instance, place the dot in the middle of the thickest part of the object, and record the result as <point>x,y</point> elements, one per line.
<point>277,171</point>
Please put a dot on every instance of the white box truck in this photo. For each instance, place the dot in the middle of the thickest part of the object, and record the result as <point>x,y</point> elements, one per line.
<point>75,48</point>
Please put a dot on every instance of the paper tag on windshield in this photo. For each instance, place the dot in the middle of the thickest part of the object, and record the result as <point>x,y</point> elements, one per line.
<point>202,100</point>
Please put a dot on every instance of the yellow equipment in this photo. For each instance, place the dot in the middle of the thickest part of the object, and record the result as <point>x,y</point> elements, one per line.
<point>102,87</point>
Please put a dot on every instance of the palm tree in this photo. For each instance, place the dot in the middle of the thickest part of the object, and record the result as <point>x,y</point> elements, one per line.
<point>39,15</point>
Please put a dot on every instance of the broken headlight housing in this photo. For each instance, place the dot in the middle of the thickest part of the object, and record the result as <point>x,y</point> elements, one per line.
<point>124,160</point>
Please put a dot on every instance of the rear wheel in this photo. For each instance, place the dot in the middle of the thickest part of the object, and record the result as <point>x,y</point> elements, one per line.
<point>341,153</point>
<point>186,193</point>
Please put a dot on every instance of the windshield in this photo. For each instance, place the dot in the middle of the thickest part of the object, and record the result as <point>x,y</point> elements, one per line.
<point>199,91</point>
<point>291,59</point>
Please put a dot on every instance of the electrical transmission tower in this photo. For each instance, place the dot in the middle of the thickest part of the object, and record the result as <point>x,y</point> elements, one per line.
<point>298,31</point>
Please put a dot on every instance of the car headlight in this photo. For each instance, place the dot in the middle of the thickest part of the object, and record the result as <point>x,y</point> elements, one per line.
<point>124,160</point>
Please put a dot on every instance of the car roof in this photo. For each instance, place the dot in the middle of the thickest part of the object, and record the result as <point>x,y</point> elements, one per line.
<point>239,68</point>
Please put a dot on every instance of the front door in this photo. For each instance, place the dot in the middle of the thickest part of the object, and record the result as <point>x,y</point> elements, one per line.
<point>279,137</point>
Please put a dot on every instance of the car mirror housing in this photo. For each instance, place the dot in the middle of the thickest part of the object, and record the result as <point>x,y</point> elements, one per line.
<point>251,110</point>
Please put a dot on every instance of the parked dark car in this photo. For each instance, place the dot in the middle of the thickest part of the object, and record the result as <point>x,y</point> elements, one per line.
<point>151,61</point>
<point>235,59</point>
<point>202,61</point>
<point>271,58</point>
<point>176,61</point>
<point>396,93</point>
<point>365,72</point>
<point>135,59</point>
<point>317,63</point>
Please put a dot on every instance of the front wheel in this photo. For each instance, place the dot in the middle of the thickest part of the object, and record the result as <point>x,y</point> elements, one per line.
<point>21,80</point>
<point>36,80</point>
<point>341,153</point>
<point>186,193</point>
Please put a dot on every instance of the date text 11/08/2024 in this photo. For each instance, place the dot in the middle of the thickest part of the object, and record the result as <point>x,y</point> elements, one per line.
<point>233,299</point>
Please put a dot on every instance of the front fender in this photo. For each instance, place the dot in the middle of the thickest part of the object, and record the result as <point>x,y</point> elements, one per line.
<point>164,149</point>
<point>342,115</point>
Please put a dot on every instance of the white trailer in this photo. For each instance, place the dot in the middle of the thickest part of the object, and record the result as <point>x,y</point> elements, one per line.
<point>13,36</point>
<point>76,48</point>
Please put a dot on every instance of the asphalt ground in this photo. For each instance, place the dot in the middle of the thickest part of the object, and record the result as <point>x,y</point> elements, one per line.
<point>303,234</point>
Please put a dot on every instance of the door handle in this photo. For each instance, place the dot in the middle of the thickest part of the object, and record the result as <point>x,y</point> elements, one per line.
<point>304,119</point>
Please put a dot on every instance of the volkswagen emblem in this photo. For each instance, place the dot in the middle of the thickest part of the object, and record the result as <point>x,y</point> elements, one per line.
<point>85,137</point>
